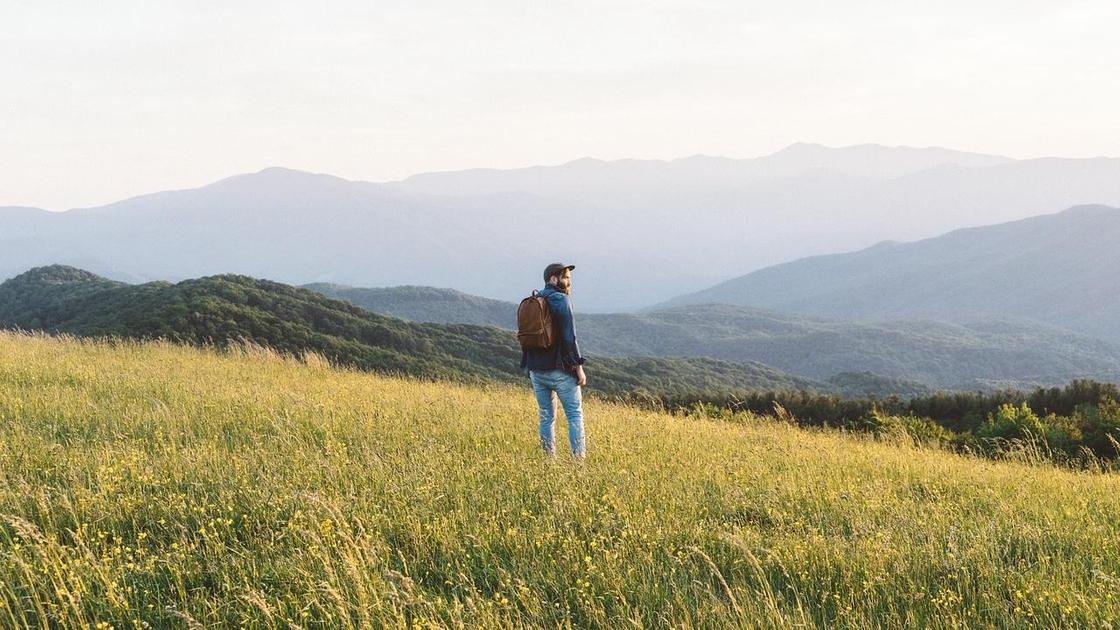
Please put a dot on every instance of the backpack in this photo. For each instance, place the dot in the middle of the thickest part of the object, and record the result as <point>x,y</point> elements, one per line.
<point>534,323</point>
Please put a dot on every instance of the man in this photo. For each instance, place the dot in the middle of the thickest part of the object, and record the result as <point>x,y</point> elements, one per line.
<point>558,369</point>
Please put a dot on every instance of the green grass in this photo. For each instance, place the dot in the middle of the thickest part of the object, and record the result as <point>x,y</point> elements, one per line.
<point>175,486</point>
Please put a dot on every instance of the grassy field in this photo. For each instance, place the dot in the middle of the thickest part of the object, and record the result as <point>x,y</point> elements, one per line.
<point>177,487</point>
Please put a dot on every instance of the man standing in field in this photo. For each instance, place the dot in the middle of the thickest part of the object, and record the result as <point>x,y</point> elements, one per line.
<point>558,369</point>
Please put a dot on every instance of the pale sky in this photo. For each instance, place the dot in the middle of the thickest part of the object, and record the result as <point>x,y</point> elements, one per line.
<point>104,100</point>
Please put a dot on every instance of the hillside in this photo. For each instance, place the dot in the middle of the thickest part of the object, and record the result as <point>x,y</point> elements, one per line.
<point>425,304</point>
<point>1057,269</point>
<point>903,357</point>
<point>969,355</point>
<point>644,230</point>
<point>173,486</point>
<point>225,309</point>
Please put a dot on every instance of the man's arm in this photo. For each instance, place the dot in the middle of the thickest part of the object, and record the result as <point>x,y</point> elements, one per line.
<point>565,324</point>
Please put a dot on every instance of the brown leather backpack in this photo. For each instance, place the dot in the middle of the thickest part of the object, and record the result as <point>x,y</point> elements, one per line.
<point>534,323</point>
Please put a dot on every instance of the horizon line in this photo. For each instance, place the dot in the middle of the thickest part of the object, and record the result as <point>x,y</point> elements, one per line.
<point>585,158</point>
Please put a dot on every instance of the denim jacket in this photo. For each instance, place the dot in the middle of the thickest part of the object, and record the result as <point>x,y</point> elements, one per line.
<point>564,354</point>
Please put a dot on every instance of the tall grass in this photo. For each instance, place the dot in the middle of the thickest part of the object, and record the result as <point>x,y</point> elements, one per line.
<point>151,484</point>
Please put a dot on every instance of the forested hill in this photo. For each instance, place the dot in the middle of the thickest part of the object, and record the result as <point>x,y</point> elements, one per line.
<point>231,308</point>
<point>425,304</point>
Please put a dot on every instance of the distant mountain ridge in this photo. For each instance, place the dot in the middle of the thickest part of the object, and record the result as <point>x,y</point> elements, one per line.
<point>640,231</point>
<point>1058,269</point>
<point>634,181</point>
<point>972,355</point>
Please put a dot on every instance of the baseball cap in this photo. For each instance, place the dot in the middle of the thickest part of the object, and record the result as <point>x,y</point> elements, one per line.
<point>555,269</point>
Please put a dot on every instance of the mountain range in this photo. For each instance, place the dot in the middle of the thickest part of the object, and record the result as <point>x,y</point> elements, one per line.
<point>980,354</point>
<point>1060,270</point>
<point>641,232</point>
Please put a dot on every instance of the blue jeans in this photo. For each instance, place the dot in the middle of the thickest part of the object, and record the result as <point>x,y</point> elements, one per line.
<point>545,382</point>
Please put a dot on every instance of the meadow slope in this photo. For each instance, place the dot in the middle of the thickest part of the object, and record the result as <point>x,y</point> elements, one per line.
<point>182,487</point>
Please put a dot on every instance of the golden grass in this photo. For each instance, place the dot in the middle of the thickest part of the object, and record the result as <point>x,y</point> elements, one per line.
<point>170,486</point>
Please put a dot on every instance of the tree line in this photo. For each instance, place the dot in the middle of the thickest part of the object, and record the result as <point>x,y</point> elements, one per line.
<point>1076,422</point>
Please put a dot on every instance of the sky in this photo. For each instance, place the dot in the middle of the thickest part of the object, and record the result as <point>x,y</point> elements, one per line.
<point>103,101</point>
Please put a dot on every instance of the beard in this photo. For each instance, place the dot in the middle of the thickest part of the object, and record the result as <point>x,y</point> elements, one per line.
<point>565,289</point>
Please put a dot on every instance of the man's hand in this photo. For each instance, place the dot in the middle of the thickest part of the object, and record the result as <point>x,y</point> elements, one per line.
<point>581,378</point>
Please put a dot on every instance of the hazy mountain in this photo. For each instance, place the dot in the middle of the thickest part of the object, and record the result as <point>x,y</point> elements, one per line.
<point>300,228</point>
<point>1059,269</point>
<point>857,357</point>
<point>231,308</point>
<point>640,183</point>
<point>640,231</point>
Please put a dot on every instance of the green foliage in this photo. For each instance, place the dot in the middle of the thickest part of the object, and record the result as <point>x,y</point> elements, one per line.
<point>1021,423</point>
<point>1064,400</point>
<point>926,431</point>
<point>922,431</point>
<point>1100,425</point>
<point>1062,433</point>
<point>1013,422</point>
